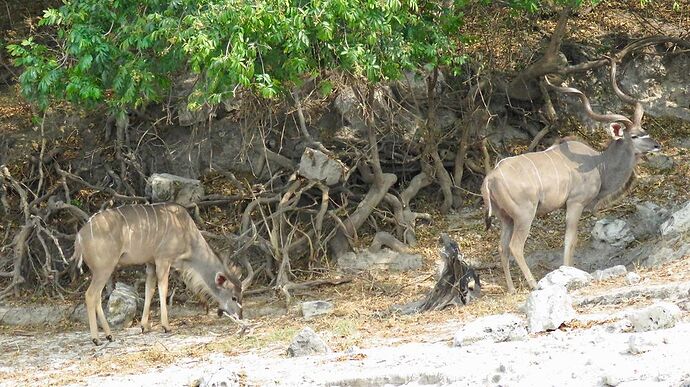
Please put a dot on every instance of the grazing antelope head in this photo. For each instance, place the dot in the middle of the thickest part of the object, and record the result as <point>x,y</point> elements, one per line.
<point>569,174</point>
<point>160,236</point>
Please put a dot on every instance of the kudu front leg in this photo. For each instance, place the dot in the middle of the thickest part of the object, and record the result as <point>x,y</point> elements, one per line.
<point>148,296</point>
<point>162,271</point>
<point>572,218</point>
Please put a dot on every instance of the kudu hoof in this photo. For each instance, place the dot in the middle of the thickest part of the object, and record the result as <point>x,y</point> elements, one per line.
<point>167,329</point>
<point>96,342</point>
<point>110,338</point>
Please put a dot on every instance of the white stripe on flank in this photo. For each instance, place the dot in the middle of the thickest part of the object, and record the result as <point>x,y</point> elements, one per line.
<point>541,185</point>
<point>155,213</point>
<point>148,223</point>
<point>569,181</point>
<point>128,231</point>
<point>165,233</point>
<point>558,177</point>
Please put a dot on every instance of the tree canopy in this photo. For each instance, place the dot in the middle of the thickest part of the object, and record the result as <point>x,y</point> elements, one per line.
<point>127,53</point>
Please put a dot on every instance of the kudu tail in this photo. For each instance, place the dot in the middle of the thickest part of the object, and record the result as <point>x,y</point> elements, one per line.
<point>77,259</point>
<point>486,194</point>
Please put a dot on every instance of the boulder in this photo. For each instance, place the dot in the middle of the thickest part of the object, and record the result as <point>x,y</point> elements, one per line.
<point>383,259</point>
<point>548,308</point>
<point>678,223</point>
<point>611,272</point>
<point>494,329</point>
<point>413,86</point>
<point>659,162</point>
<point>311,309</point>
<point>567,276</point>
<point>661,315</point>
<point>122,306</point>
<point>306,343</point>
<point>220,378</point>
<point>316,165</point>
<point>611,233</point>
<point>632,278</point>
<point>164,187</point>
<point>637,345</point>
<point>189,117</point>
<point>647,219</point>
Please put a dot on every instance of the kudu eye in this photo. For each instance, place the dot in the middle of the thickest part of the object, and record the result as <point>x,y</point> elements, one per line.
<point>634,136</point>
<point>234,299</point>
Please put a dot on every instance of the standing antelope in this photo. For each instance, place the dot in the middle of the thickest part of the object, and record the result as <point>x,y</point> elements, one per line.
<point>160,236</point>
<point>570,174</point>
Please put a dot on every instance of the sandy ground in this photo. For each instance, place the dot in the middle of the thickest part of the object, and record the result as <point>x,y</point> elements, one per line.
<point>597,355</point>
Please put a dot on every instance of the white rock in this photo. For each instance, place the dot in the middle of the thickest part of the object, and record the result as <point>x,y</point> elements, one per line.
<point>612,378</point>
<point>220,378</point>
<point>122,306</point>
<point>306,343</point>
<point>678,223</point>
<point>637,345</point>
<point>632,278</point>
<point>612,232</point>
<point>311,309</point>
<point>164,187</point>
<point>495,329</point>
<point>611,272</point>
<point>384,259</point>
<point>548,308</point>
<point>567,276</point>
<point>658,316</point>
<point>318,166</point>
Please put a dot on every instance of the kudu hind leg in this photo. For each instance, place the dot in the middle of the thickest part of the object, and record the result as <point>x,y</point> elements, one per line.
<point>148,296</point>
<point>521,229</point>
<point>572,218</point>
<point>504,250</point>
<point>94,305</point>
<point>162,271</point>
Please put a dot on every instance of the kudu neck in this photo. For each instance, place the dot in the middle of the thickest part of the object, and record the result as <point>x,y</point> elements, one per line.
<point>201,268</point>
<point>616,169</point>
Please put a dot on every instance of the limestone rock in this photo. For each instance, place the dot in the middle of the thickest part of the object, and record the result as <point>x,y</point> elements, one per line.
<point>496,329</point>
<point>611,232</point>
<point>316,165</point>
<point>661,315</point>
<point>632,278</point>
<point>647,219</point>
<point>611,272</point>
<point>384,259</point>
<point>164,187</point>
<point>567,276</point>
<point>221,378</point>
<point>122,306</point>
<point>306,343</point>
<point>678,223</point>
<point>548,308</point>
<point>311,309</point>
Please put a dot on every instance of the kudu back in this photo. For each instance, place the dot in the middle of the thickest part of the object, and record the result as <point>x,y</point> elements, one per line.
<point>160,236</point>
<point>569,174</point>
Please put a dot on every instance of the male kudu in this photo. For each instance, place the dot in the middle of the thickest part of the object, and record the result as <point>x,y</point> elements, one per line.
<point>161,236</point>
<point>570,174</point>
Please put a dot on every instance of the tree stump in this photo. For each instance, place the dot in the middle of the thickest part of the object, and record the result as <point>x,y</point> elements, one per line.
<point>458,283</point>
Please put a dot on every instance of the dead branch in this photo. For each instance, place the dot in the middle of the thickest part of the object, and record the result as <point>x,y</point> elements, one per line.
<point>458,283</point>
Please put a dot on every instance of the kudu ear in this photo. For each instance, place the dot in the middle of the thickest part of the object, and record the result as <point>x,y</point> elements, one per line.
<point>616,130</point>
<point>220,279</point>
